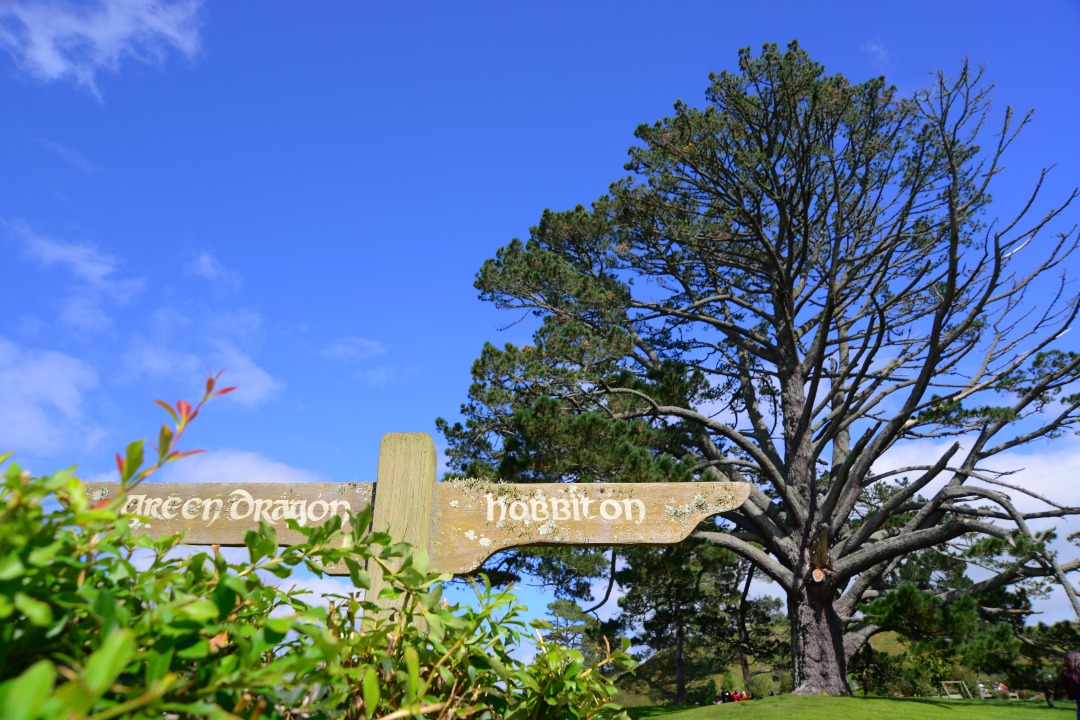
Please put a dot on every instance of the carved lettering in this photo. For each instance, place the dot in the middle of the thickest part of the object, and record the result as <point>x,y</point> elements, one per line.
<point>298,512</point>
<point>190,509</point>
<point>518,510</point>
<point>492,501</point>
<point>323,513</point>
<point>560,509</point>
<point>169,507</point>
<point>539,508</point>
<point>138,500</point>
<point>262,510</point>
<point>242,506</point>
<point>216,505</point>
<point>152,506</point>
<point>610,509</point>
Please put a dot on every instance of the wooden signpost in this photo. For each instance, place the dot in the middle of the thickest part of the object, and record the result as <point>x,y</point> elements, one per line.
<point>460,522</point>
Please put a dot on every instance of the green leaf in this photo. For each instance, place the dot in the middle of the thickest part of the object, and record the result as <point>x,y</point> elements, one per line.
<point>268,540</point>
<point>23,696</point>
<point>281,624</point>
<point>164,441</point>
<point>37,612</point>
<point>420,560</point>
<point>200,610</point>
<point>370,685</point>
<point>360,577</point>
<point>225,599</point>
<point>42,556</point>
<point>251,540</point>
<point>497,666</point>
<point>279,569</point>
<point>158,664</point>
<point>11,566</point>
<point>196,651</point>
<point>108,661</point>
<point>133,459</point>
<point>412,668</point>
<point>436,629</point>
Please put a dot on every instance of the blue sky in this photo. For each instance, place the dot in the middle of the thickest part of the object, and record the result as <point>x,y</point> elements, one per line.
<point>304,198</point>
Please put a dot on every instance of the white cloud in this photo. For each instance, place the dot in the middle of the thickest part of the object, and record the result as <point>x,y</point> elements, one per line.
<point>70,156</point>
<point>181,348</point>
<point>205,264</point>
<point>42,398</point>
<point>237,326</point>
<point>878,53</point>
<point>146,358</point>
<point>1046,468</point>
<point>83,261</point>
<point>61,40</point>
<point>378,377</point>
<point>254,385</point>
<point>353,348</point>
<point>234,466</point>
<point>94,272</point>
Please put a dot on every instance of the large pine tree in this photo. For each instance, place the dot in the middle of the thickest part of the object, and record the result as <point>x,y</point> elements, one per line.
<point>795,280</point>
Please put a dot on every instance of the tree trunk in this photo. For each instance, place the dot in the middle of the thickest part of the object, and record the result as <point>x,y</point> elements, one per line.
<point>817,645</point>
<point>680,672</point>
<point>744,635</point>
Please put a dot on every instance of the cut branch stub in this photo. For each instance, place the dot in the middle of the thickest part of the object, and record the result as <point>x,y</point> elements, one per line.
<point>473,519</point>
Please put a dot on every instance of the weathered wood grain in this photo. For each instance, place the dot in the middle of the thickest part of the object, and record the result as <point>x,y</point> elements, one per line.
<point>407,467</point>
<point>471,520</point>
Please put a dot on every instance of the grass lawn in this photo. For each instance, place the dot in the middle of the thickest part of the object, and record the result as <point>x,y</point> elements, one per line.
<point>790,707</point>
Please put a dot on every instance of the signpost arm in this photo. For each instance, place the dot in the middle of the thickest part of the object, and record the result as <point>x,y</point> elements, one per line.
<point>406,481</point>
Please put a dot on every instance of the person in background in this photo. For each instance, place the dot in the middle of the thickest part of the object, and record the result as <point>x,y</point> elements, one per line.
<point>1071,675</point>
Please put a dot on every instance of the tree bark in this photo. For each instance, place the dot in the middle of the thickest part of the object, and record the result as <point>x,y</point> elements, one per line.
<point>680,671</point>
<point>744,636</point>
<point>817,645</point>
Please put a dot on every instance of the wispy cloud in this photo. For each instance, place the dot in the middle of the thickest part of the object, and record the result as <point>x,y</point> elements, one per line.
<point>70,156</point>
<point>1044,468</point>
<point>185,347</point>
<point>166,359</point>
<point>144,357</point>
<point>86,263</point>
<point>62,40</point>
<point>235,466</point>
<point>42,398</point>
<point>254,385</point>
<point>353,348</point>
<point>879,54</point>
<point>205,264</point>
<point>95,273</point>
<point>378,377</point>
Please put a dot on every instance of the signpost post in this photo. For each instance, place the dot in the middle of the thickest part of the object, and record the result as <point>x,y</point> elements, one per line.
<point>460,522</point>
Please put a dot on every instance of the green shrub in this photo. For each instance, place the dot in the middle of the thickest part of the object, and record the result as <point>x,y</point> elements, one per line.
<point>703,694</point>
<point>98,621</point>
